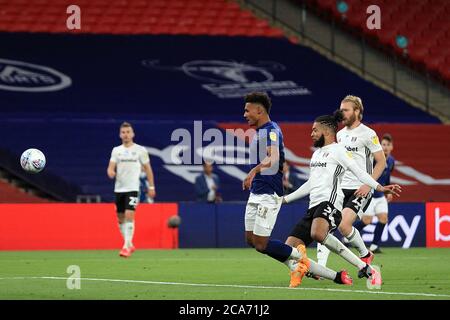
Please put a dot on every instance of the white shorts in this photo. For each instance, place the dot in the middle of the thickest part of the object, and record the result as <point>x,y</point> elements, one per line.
<point>377,206</point>
<point>261,213</point>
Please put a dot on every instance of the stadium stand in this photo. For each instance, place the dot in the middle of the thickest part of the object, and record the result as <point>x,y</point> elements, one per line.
<point>68,93</point>
<point>216,17</point>
<point>425,25</point>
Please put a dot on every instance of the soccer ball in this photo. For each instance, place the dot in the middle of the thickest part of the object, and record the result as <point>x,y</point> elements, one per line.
<point>32,160</point>
<point>174,221</point>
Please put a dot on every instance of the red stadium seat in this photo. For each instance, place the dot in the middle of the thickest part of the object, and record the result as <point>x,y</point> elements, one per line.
<point>425,24</point>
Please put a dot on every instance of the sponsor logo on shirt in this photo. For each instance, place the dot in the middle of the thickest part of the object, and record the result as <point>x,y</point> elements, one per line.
<point>351,149</point>
<point>318,164</point>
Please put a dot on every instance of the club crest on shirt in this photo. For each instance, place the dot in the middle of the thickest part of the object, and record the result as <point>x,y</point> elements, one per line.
<point>349,154</point>
<point>375,140</point>
<point>273,136</point>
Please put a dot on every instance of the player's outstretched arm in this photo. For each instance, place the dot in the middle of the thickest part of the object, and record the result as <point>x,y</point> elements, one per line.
<point>299,193</point>
<point>391,189</point>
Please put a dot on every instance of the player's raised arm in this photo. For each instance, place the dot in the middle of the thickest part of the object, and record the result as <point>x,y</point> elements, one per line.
<point>346,160</point>
<point>301,192</point>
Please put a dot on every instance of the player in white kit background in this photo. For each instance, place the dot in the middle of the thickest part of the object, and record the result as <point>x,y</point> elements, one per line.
<point>125,165</point>
<point>329,165</point>
<point>363,143</point>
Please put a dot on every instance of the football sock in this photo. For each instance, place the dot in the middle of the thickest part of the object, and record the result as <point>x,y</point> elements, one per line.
<point>332,243</point>
<point>322,271</point>
<point>354,238</point>
<point>129,230</point>
<point>291,264</point>
<point>122,229</point>
<point>359,225</point>
<point>378,232</point>
<point>132,235</point>
<point>278,250</point>
<point>322,254</point>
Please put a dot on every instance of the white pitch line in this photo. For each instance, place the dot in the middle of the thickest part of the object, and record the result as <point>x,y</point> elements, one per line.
<point>234,286</point>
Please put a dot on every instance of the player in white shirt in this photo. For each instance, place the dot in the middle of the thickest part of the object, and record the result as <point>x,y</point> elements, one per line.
<point>362,142</point>
<point>125,165</point>
<point>329,164</point>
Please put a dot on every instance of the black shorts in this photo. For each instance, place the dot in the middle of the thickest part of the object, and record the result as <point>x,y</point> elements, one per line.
<point>356,203</point>
<point>326,210</point>
<point>126,201</point>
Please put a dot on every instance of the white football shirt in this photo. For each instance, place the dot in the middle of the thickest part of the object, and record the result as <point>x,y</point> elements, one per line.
<point>129,163</point>
<point>327,168</point>
<point>362,142</point>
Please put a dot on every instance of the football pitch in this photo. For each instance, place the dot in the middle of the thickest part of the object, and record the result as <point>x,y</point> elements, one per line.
<point>211,274</point>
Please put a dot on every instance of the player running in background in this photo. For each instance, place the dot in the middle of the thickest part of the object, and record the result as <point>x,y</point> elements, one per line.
<point>329,164</point>
<point>265,181</point>
<point>379,203</point>
<point>125,166</point>
<point>362,142</point>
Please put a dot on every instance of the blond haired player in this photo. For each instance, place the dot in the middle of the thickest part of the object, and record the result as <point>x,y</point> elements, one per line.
<point>125,166</point>
<point>363,143</point>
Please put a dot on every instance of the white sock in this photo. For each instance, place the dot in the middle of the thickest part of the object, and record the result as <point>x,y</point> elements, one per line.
<point>322,254</point>
<point>129,230</point>
<point>332,243</point>
<point>295,254</point>
<point>122,229</point>
<point>132,235</point>
<point>322,271</point>
<point>291,264</point>
<point>354,238</point>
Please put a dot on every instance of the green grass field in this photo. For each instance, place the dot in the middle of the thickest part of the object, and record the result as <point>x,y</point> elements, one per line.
<point>209,274</point>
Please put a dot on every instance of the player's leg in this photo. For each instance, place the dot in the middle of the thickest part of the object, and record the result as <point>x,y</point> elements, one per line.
<point>299,238</point>
<point>120,209</point>
<point>322,251</point>
<point>382,215</point>
<point>326,218</point>
<point>129,228</point>
<point>349,214</point>
<point>319,230</point>
<point>294,242</point>
<point>131,203</point>
<point>309,229</point>
<point>322,254</point>
<point>249,219</point>
<point>367,216</point>
<point>266,212</point>
<point>121,222</point>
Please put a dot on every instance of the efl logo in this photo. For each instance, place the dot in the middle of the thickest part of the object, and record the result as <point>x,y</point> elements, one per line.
<point>438,224</point>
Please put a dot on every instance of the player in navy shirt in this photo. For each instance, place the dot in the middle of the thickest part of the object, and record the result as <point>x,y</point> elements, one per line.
<point>269,134</point>
<point>265,181</point>
<point>379,204</point>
